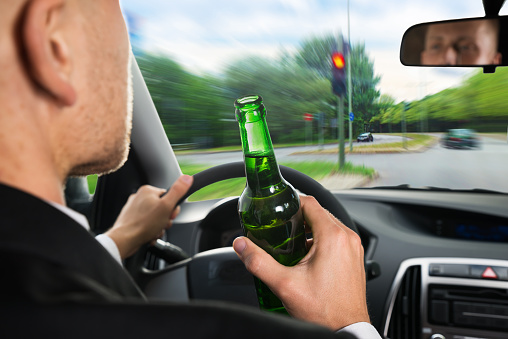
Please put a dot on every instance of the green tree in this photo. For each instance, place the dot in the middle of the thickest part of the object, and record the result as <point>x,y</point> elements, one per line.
<point>479,103</point>
<point>385,105</point>
<point>190,106</point>
<point>288,92</point>
<point>315,54</point>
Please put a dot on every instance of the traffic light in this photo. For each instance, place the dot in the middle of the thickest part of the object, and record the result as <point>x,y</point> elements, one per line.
<point>338,73</point>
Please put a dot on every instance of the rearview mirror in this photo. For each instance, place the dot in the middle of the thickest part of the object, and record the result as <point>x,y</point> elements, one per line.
<point>476,42</point>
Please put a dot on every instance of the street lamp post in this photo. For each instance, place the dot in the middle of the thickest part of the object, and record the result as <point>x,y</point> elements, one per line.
<point>349,87</point>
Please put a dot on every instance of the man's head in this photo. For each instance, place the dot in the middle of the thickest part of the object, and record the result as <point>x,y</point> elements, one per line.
<point>462,43</point>
<point>65,98</point>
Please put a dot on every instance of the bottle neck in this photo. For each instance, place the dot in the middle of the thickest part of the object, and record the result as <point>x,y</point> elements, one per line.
<point>256,138</point>
<point>261,167</point>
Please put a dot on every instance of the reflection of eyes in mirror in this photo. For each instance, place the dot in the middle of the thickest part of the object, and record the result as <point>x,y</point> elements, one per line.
<point>465,47</point>
<point>441,51</point>
<point>462,46</point>
<point>461,42</point>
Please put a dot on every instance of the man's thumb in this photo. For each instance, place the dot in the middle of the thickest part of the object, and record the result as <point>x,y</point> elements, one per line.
<point>258,262</point>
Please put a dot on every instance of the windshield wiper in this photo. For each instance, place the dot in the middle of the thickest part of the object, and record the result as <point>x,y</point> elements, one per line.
<point>406,187</point>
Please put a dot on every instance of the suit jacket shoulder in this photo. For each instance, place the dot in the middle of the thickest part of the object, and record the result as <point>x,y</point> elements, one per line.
<point>51,257</point>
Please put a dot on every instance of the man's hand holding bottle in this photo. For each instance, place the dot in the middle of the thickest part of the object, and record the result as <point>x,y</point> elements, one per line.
<point>328,285</point>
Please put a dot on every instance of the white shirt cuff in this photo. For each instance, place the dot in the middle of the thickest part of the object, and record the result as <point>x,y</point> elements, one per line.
<point>110,246</point>
<point>361,330</point>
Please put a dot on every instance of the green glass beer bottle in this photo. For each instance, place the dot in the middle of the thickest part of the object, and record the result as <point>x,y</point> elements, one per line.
<point>269,207</point>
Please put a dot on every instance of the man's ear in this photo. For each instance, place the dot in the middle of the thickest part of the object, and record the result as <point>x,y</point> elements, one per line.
<point>498,59</point>
<point>47,53</point>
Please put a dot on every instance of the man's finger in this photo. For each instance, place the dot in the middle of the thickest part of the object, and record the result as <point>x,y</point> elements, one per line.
<point>314,217</point>
<point>258,262</point>
<point>176,211</point>
<point>177,191</point>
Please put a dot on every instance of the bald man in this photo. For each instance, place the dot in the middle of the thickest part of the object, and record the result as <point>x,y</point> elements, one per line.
<point>471,42</point>
<point>65,109</point>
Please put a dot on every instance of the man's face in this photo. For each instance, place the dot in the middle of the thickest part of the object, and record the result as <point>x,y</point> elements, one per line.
<point>102,131</point>
<point>461,43</point>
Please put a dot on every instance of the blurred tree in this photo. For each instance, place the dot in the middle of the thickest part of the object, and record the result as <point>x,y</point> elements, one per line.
<point>315,53</point>
<point>478,103</point>
<point>490,92</point>
<point>385,104</point>
<point>190,107</point>
<point>288,92</point>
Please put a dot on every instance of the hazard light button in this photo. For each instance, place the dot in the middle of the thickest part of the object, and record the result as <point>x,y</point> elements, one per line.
<point>489,273</point>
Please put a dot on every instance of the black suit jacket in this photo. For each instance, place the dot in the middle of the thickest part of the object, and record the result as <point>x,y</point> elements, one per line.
<point>47,256</point>
<point>58,281</point>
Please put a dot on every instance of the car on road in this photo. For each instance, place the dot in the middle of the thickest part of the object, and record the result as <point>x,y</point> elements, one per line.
<point>460,138</point>
<point>433,223</point>
<point>365,137</point>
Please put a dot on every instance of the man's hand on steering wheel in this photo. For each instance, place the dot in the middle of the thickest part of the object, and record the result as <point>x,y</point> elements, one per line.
<point>147,215</point>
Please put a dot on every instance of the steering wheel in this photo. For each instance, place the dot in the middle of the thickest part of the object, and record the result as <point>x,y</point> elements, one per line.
<point>218,274</point>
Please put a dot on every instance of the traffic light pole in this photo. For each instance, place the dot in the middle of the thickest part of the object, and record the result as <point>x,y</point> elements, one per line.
<point>340,118</point>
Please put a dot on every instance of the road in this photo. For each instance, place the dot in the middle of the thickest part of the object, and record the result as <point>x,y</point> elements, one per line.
<point>285,154</point>
<point>485,168</point>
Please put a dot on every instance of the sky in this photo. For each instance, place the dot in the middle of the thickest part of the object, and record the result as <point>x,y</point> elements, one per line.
<point>204,36</point>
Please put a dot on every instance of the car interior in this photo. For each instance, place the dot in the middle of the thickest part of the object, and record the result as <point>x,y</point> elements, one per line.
<point>436,259</point>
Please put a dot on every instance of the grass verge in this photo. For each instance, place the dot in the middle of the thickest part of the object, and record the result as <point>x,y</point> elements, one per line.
<point>498,136</point>
<point>238,148</point>
<point>234,187</point>
<point>92,182</point>
<point>414,143</point>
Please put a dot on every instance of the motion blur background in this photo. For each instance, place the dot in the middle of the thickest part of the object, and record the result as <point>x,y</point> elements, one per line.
<point>198,56</point>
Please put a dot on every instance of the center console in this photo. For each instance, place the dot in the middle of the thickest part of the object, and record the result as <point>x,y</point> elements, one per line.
<point>449,298</point>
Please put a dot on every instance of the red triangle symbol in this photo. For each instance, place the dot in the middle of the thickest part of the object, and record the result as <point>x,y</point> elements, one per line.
<point>489,273</point>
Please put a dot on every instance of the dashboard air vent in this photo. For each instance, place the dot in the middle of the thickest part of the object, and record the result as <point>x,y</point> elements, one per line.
<point>405,321</point>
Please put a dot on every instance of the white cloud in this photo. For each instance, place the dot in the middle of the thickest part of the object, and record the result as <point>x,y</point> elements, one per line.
<point>207,35</point>
<point>199,58</point>
<point>412,83</point>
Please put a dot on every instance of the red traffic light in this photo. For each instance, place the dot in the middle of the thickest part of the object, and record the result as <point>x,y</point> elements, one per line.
<point>338,73</point>
<point>338,60</point>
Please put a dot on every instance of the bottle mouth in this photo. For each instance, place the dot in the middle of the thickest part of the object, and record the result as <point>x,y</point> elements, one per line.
<point>248,100</point>
<point>249,108</point>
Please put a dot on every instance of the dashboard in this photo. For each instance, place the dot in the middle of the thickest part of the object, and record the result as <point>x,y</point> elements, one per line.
<point>442,255</point>
<point>442,259</point>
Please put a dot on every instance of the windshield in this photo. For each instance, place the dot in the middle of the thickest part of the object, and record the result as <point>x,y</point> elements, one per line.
<point>439,127</point>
